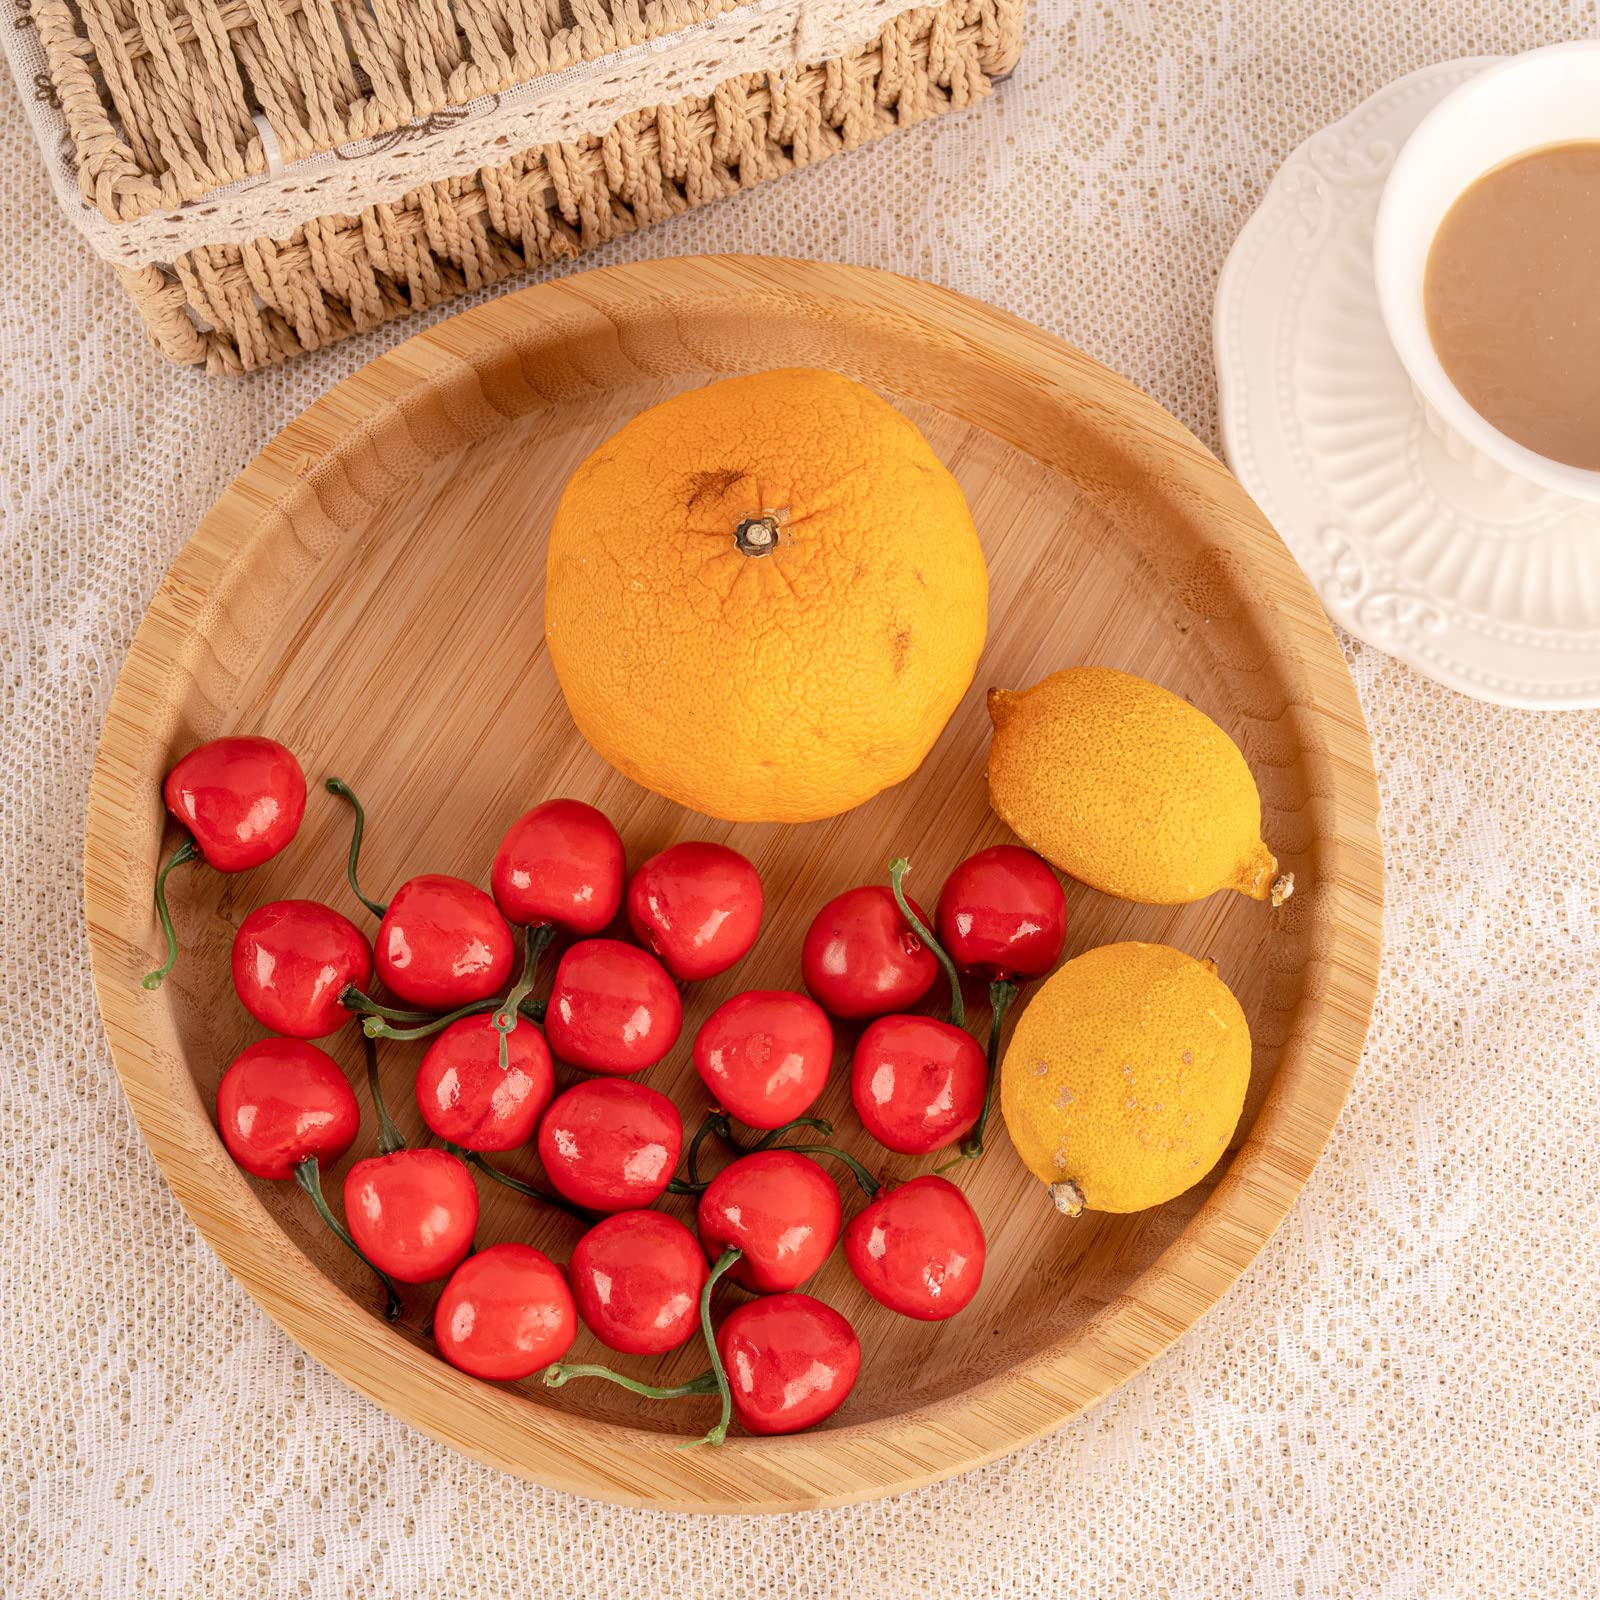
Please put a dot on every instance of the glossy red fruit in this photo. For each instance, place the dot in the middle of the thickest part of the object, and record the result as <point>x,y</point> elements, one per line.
<point>442,943</point>
<point>610,1145</point>
<point>637,1279</point>
<point>1002,914</point>
<point>764,1055</point>
<point>861,959</point>
<point>780,1209</point>
<point>791,1361</point>
<point>917,1083</point>
<point>612,1008</point>
<point>505,1313</point>
<point>412,1213</point>
<point>241,799</point>
<point>560,863</point>
<point>697,906</point>
<point>281,1101</point>
<point>918,1249</point>
<point>292,959</point>
<point>468,1099</point>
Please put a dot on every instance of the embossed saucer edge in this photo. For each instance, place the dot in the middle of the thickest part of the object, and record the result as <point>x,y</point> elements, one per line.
<point>1414,543</point>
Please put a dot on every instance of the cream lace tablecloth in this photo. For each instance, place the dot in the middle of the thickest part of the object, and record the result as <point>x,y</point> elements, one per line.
<point>1401,1399</point>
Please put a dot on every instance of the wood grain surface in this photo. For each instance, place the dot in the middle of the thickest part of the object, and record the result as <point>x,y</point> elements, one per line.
<point>370,592</point>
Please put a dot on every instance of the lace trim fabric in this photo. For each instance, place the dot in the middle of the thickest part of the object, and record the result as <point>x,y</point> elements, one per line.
<point>271,176</point>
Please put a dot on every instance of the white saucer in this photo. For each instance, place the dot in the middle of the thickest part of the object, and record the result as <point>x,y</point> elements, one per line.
<point>1480,580</point>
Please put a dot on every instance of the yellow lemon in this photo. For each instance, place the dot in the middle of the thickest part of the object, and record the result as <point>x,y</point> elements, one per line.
<point>1125,1077</point>
<point>1128,789</point>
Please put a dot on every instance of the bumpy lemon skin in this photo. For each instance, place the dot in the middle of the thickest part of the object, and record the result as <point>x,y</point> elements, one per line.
<point>1126,1075</point>
<point>1127,788</point>
<point>786,686</point>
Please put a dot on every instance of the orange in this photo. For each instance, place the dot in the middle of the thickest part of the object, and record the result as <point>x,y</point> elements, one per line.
<point>765,597</point>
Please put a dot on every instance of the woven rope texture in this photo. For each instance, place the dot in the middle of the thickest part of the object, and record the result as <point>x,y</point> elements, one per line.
<point>167,102</point>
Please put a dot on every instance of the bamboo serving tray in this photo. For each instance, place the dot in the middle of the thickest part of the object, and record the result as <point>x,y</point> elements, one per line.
<point>369,591</point>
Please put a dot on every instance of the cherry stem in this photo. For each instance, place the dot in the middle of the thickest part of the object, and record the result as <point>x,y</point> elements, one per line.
<point>564,1372</point>
<point>377,1028</point>
<point>363,1005</point>
<point>187,851</point>
<point>718,1433</point>
<point>711,1125</point>
<point>897,872</point>
<point>390,1138</point>
<point>718,1123</point>
<point>308,1176</point>
<point>1001,993</point>
<point>339,787</point>
<point>535,941</point>
<point>713,1382</point>
<point>474,1158</point>
<point>869,1185</point>
<point>767,1140</point>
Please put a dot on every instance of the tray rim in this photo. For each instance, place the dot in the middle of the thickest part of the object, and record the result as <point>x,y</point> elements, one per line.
<point>953,1435</point>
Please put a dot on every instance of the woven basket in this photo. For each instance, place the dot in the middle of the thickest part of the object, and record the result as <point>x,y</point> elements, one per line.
<point>267,176</point>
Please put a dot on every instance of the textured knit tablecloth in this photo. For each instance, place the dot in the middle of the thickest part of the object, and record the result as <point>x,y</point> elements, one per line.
<point>1400,1399</point>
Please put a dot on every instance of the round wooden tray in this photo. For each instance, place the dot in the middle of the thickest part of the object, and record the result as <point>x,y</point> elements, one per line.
<point>369,591</point>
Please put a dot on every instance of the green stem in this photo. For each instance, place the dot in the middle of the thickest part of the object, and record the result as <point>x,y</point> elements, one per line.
<point>767,1140</point>
<point>897,872</point>
<point>719,1123</point>
<point>475,1158</point>
<point>339,787</point>
<point>390,1138</point>
<point>363,1005</point>
<point>186,852</point>
<point>309,1178</point>
<point>715,1122</point>
<point>1001,993</point>
<point>714,1381</point>
<point>564,1372</point>
<point>869,1185</point>
<point>378,1028</point>
<point>720,1432</point>
<point>534,943</point>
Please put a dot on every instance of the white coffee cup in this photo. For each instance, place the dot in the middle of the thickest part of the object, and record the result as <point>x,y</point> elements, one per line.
<point>1546,97</point>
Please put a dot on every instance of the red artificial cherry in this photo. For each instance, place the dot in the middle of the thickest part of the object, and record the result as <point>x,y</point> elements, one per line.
<point>917,1083</point>
<point>412,1212</point>
<point>283,1102</point>
<point>442,943</point>
<point>637,1279</point>
<point>698,906</point>
<point>293,960</point>
<point>918,1249</point>
<point>780,1209</point>
<point>612,1009</point>
<point>560,864</point>
<point>505,1312</point>
<point>1002,914</point>
<point>764,1055</point>
<point>241,798</point>
<point>861,958</point>
<point>469,1100</point>
<point>791,1361</point>
<point>611,1145</point>
<point>283,1108</point>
